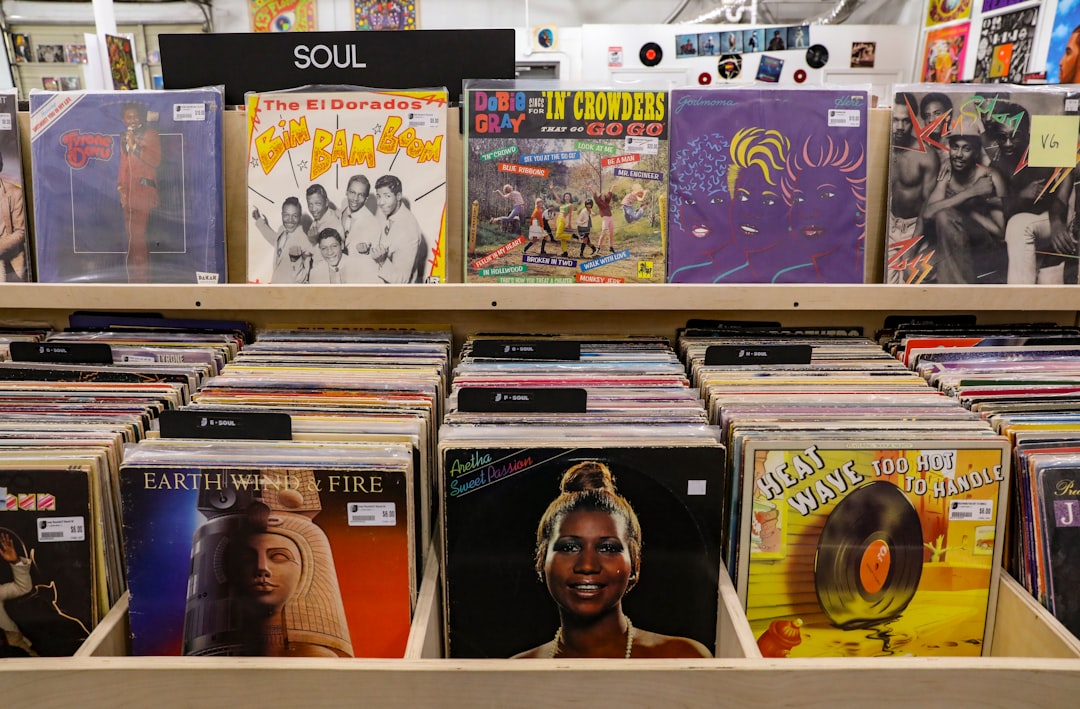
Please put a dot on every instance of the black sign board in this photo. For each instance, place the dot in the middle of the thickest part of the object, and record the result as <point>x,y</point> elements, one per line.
<point>252,425</point>
<point>497,400</point>
<point>754,355</point>
<point>405,59</point>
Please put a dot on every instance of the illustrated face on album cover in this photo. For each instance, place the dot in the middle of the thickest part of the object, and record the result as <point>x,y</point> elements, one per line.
<point>275,562</point>
<point>767,186</point>
<point>590,552</point>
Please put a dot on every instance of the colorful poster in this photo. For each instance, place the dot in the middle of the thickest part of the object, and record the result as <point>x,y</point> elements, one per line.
<point>129,186</point>
<point>347,187</point>
<point>1005,46</point>
<point>1063,59</point>
<point>282,15</point>
<point>859,550</point>
<point>565,186</point>
<point>939,11</point>
<point>767,185</point>
<point>121,62</point>
<point>995,5</point>
<point>943,61</point>
<point>385,14</point>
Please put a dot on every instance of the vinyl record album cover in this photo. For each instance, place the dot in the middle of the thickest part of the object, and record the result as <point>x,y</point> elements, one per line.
<point>385,14</point>
<point>943,59</point>
<point>767,185</point>
<point>273,561</point>
<point>14,237</point>
<point>347,185</point>
<point>981,185</point>
<point>128,186</point>
<point>47,588</point>
<point>871,550</point>
<point>522,562</point>
<point>1058,513</point>
<point>565,185</point>
<point>1063,56</point>
<point>1005,45</point>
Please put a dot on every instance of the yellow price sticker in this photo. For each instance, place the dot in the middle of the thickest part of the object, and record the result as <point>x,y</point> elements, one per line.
<point>1053,141</point>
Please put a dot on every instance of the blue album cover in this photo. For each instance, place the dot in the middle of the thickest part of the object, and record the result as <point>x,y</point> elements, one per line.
<point>767,185</point>
<point>128,186</point>
<point>1063,56</point>
<point>769,69</point>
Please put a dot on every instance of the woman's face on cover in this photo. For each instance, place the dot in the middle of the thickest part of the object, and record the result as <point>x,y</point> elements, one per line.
<point>816,202</point>
<point>272,569</point>
<point>698,211</point>
<point>757,209</point>
<point>587,568</point>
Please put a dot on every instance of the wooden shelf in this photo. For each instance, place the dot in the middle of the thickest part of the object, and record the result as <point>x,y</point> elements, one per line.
<point>530,297</point>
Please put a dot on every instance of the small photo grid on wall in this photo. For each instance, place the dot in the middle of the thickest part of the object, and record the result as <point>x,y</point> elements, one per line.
<point>770,39</point>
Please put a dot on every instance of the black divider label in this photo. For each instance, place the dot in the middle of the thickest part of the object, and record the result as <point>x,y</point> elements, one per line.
<point>567,350</point>
<point>499,400</point>
<point>61,353</point>
<point>753,355</point>
<point>262,426</point>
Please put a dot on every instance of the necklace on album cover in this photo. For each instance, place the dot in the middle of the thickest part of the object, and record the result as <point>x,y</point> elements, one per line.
<point>629,640</point>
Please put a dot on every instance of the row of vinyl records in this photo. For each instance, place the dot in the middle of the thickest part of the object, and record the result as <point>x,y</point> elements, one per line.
<point>599,485</point>
<point>562,183</point>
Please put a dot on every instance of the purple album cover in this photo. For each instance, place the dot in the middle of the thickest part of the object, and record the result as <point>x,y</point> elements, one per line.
<point>128,186</point>
<point>767,185</point>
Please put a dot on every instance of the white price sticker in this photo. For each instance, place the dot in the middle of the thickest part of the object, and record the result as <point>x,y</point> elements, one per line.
<point>5,121</point>
<point>372,514</point>
<point>205,277</point>
<point>1072,105</point>
<point>641,144</point>
<point>423,120</point>
<point>844,118</point>
<point>189,112</point>
<point>696,487</point>
<point>141,359</point>
<point>971,510</point>
<point>61,529</point>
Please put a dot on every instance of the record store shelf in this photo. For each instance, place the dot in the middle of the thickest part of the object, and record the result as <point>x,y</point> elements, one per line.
<point>1034,662</point>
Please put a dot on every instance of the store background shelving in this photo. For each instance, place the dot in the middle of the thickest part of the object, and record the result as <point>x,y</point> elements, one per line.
<point>1034,661</point>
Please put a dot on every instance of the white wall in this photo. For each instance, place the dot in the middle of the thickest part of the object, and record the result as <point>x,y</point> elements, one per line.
<point>231,15</point>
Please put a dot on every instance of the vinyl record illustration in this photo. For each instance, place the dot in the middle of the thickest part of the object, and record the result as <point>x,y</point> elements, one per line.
<point>729,66</point>
<point>869,557</point>
<point>817,56</point>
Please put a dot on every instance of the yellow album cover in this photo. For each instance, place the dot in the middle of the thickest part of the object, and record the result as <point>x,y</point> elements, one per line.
<point>867,549</point>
